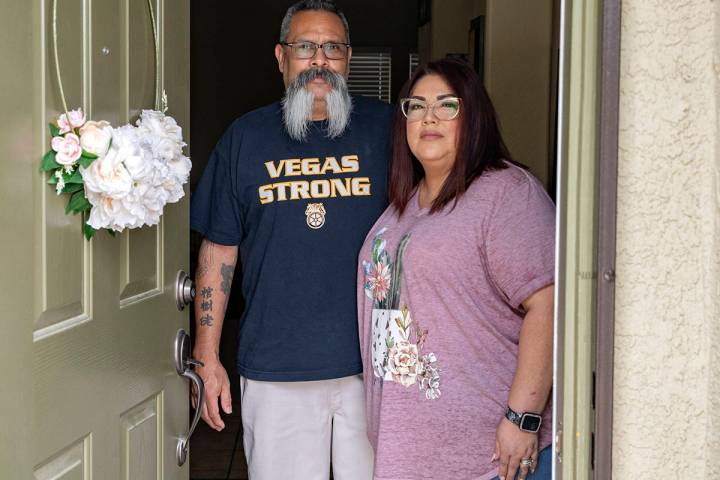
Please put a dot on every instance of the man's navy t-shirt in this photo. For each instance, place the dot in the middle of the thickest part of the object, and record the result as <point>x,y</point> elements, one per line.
<point>299,212</point>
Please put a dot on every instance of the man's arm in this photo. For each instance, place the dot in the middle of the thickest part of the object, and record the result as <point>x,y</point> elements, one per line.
<point>216,266</point>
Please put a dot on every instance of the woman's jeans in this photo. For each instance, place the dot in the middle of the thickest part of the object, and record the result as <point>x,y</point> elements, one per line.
<point>544,467</point>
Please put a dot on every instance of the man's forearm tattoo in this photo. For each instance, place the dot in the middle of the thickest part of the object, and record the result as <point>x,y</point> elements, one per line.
<point>227,275</point>
<point>206,306</point>
<point>205,259</point>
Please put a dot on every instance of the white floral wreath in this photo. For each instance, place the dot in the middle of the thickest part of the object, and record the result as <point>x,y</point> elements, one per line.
<point>123,176</point>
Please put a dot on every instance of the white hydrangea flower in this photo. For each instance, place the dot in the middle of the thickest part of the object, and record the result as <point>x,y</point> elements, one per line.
<point>143,170</point>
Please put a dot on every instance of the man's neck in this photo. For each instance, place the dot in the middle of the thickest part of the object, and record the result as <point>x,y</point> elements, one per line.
<point>319,110</point>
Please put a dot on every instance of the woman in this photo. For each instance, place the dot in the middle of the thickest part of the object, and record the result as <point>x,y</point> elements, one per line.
<point>455,295</point>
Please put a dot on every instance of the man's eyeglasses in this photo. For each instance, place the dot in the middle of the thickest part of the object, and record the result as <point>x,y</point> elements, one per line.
<point>444,109</point>
<point>306,50</point>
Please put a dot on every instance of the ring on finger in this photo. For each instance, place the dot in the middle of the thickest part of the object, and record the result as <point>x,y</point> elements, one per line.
<point>526,462</point>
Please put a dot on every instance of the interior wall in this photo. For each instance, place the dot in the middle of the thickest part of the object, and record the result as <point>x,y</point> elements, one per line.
<point>666,406</point>
<point>519,65</point>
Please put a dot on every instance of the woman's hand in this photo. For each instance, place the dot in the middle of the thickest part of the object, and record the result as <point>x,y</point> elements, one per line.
<point>511,446</point>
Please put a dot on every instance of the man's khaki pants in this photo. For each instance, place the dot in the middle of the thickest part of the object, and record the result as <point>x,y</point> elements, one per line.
<point>292,430</point>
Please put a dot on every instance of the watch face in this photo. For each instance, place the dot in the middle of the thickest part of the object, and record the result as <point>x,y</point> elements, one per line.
<point>530,423</point>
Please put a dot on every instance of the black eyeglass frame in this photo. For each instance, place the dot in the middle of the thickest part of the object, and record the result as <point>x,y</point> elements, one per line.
<point>318,46</point>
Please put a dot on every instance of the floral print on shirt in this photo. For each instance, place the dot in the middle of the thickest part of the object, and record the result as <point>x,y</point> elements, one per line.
<point>398,341</point>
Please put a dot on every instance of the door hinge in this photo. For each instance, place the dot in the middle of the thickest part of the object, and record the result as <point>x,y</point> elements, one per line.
<point>558,445</point>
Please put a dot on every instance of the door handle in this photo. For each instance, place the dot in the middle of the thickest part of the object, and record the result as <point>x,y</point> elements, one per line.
<point>184,366</point>
<point>184,290</point>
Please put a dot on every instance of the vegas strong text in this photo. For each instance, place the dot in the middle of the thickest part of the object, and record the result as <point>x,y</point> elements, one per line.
<point>345,186</point>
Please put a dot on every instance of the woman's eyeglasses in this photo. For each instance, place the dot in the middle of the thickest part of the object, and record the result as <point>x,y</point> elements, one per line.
<point>445,109</point>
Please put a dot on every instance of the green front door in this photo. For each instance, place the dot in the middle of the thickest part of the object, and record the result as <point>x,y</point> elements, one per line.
<point>93,392</point>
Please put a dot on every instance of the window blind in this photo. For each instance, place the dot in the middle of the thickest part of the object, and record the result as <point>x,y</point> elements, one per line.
<point>370,74</point>
<point>413,63</point>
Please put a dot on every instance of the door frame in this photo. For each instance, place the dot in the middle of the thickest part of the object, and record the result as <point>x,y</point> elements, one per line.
<point>607,228</point>
<point>588,104</point>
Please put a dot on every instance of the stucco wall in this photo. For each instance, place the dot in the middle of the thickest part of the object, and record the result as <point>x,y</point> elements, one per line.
<point>667,339</point>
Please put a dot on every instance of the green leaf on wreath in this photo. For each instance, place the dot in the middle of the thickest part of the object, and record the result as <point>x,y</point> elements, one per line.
<point>78,203</point>
<point>48,162</point>
<point>75,177</point>
<point>86,161</point>
<point>54,130</point>
<point>72,187</point>
<point>88,231</point>
<point>111,232</point>
<point>89,155</point>
<point>52,180</point>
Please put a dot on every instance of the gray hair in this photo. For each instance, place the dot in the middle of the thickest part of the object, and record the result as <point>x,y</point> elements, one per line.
<point>317,5</point>
<point>298,103</point>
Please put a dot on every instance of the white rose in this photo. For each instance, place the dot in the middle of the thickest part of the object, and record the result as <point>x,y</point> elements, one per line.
<point>103,210</point>
<point>107,175</point>
<point>95,137</point>
<point>109,213</point>
<point>77,119</point>
<point>68,149</point>
<point>140,166</point>
<point>135,204</point>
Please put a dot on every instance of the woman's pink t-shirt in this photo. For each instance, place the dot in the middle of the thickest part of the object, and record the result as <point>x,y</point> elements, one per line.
<point>440,310</point>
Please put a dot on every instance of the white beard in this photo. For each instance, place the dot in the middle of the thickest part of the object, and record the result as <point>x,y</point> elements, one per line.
<point>298,103</point>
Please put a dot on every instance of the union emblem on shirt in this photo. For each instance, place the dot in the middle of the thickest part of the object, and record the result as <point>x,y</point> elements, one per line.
<point>315,213</point>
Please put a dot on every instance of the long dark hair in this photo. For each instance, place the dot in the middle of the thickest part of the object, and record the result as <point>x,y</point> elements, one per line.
<point>480,145</point>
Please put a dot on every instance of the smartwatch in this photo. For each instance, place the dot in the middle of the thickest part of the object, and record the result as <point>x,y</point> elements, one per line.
<point>527,422</point>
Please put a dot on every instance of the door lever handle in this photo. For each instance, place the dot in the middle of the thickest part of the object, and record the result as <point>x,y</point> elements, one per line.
<point>192,361</point>
<point>184,366</point>
<point>184,440</point>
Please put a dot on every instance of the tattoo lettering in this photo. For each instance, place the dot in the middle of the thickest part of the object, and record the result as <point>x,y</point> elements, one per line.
<point>206,305</point>
<point>207,320</point>
<point>227,275</point>
<point>206,292</point>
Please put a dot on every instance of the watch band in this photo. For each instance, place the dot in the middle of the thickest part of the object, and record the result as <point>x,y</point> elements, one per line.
<point>513,416</point>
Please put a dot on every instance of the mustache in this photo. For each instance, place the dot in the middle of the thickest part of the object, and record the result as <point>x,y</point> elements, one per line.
<point>334,79</point>
<point>298,102</point>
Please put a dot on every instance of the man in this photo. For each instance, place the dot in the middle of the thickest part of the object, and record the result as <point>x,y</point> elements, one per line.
<point>294,187</point>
